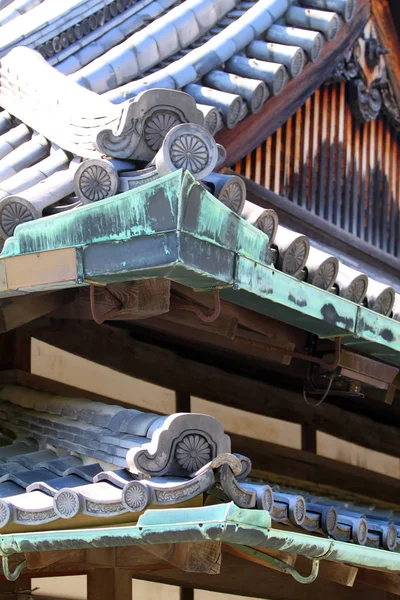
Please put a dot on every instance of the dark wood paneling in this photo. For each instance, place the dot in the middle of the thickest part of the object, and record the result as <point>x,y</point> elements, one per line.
<point>347,173</point>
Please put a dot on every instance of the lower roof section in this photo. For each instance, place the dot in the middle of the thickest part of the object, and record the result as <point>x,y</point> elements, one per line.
<point>224,522</point>
<point>174,228</point>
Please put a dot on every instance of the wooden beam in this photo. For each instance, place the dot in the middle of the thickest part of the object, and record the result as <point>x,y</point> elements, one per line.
<point>20,310</point>
<point>129,301</point>
<point>8,588</point>
<point>286,558</point>
<point>332,571</point>
<point>186,593</point>
<point>245,317</point>
<point>39,271</point>
<point>308,438</point>
<point>254,130</point>
<point>109,584</point>
<point>117,350</point>
<point>244,578</point>
<point>309,471</point>
<point>390,582</point>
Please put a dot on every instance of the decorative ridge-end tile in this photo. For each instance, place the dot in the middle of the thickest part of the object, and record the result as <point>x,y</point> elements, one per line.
<point>182,445</point>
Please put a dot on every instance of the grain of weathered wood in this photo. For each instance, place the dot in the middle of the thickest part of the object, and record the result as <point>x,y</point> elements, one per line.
<point>138,300</point>
<point>248,579</point>
<point>332,571</point>
<point>109,584</point>
<point>390,582</point>
<point>15,312</point>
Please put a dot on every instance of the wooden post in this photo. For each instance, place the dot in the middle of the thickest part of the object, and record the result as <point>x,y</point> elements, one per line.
<point>12,589</point>
<point>186,593</point>
<point>308,438</point>
<point>109,584</point>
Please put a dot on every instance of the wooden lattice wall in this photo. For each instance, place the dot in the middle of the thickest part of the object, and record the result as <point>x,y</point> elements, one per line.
<point>326,162</point>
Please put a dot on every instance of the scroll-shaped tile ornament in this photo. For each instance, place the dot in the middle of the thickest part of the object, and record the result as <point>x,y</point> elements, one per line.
<point>144,123</point>
<point>83,122</point>
<point>186,146</point>
<point>181,445</point>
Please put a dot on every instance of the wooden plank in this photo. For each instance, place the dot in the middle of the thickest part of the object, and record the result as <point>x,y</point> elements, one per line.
<point>278,463</point>
<point>40,560</point>
<point>244,578</point>
<point>10,590</point>
<point>116,349</point>
<point>390,582</point>
<point>138,559</point>
<point>288,159</point>
<point>340,154</point>
<point>223,326</point>
<point>35,271</point>
<point>305,196</point>
<point>308,438</point>
<point>286,558</point>
<point>331,571</point>
<point>253,130</point>
<point>186,593</point>
<point>137,299</point>
<point>18,311</point>
<point>109,584</point>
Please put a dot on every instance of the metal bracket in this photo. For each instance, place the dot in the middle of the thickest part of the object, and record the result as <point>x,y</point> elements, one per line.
<point>12,576</point>
<point>280,565</point>
<point>181,305</point>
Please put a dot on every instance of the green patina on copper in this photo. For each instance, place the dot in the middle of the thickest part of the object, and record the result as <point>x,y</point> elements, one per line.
<point>377,336</point>
<point>224,522</point>
<point>205,216</point>
<point>276,294</point>
<point>152,209</point>
<point>174,228</point>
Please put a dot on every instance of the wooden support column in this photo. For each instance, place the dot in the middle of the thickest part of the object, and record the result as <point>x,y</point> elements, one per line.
<point>308,438</point>
<point>186,593</point>
<point>182,400</point>
<point>109,584</point>
<point>10,590</point>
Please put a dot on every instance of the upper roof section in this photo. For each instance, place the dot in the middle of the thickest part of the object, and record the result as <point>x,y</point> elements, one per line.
<point>230,56</point>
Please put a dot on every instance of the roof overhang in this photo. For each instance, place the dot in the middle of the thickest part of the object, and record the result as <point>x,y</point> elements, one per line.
<point>173,228</point>
<point>224,522</point>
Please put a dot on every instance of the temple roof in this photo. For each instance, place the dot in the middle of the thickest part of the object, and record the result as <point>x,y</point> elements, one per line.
<point>69,463</point>
<point>104,104</point>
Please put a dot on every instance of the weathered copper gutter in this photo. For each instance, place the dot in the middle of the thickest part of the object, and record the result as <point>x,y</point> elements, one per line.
<point>224,522</point>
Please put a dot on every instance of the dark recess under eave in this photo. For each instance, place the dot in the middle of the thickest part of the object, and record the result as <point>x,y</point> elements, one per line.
<point>395,8</point>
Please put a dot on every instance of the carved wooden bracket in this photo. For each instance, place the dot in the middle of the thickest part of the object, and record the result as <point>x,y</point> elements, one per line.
<point>364,69</point>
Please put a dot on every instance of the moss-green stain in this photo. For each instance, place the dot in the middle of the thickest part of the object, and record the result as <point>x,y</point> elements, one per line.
<point>152,208</point>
